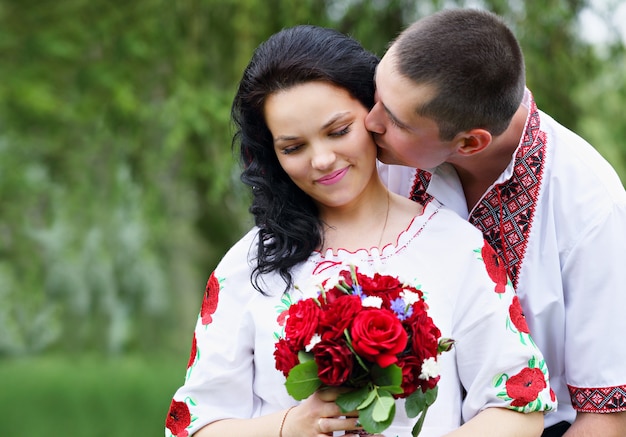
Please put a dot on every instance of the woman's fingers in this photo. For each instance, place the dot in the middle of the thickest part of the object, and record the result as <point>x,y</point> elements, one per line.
<point>327,425</point>
<point>328,394</point>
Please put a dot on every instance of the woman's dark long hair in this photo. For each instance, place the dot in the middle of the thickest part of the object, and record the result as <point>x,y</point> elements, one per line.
<point>289,225</point>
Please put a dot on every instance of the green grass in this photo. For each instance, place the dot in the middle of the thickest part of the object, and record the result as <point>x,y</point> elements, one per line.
<point>87,397</point>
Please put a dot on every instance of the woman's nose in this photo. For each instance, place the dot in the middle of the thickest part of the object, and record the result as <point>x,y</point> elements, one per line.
<point>323,157</point>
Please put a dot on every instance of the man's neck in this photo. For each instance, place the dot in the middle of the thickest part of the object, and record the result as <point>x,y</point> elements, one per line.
<point>479,172</point>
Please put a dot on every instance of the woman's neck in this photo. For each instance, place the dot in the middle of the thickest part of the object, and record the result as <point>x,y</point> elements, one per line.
<point>374,220</point>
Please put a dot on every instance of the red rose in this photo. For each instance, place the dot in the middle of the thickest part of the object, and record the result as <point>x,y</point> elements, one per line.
<point>178,418</point>
<point>209,303</point>
<point>330,296</point>
<point>495,267</point>
<point>378,336</point>
<point>286,358</point>
<point>346,276</point>
<point>517,316</point>
<point>302,322</point>
<point>194,351</point>
<point>411,369</point>
<point>386,287</point>
<point>423,333</point>
<point>334,362</point>
<point>524,387</point>
<point>338,315</point>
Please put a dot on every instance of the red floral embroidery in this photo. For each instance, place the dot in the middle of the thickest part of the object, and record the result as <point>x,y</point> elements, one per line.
<point>525,387</point>
<point>194,351</point>
<point>495,267</point>
<point>517,316</point>
<point>209,303</point>
<point>282,318</point>
<point>178,418</point>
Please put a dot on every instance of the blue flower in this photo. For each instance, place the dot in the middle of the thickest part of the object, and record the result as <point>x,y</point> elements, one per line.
<point>400,308</point>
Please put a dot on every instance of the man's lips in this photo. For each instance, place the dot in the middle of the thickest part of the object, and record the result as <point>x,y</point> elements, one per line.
<point>378,142</point>
<point>333,177</point>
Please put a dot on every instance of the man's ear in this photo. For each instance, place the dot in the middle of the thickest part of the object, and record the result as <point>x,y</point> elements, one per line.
<point>473,141</point>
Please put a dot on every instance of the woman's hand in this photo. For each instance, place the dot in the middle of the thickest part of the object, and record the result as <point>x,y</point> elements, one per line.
<point>316,416</point>
<point>319,415</point>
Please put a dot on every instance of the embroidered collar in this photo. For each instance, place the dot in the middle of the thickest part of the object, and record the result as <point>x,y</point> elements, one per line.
<point>505,213</point>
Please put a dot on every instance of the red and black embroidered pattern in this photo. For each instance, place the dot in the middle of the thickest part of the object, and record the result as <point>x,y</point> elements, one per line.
<point>505,213</point>
<point>598,400</point>
<point>418,192</point>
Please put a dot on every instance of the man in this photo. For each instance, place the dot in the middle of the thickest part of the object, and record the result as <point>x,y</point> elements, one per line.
<point>451,100</point>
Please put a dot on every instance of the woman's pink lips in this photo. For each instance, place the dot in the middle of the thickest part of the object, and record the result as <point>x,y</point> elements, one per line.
<point>333,178</point>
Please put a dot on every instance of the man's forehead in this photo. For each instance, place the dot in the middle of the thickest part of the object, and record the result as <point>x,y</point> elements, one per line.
<point>386,66</point>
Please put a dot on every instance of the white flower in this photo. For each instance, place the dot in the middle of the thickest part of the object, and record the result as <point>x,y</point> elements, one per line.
<point>372,301</point>
<point>409,297</point>
<point>332,281</point>
<point>314,340</point>
<point>430,369</point>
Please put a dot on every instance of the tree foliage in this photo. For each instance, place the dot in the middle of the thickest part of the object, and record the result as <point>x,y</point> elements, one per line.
<point>118,187</point>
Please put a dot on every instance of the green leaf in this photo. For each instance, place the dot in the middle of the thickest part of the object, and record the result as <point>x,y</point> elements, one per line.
<point>373,426</point>
<point>351,400</point>
<point>419,401</point>
<point>418,425</point>
<point>431,395</point>
<point>383,406</point>
<point>415,403</point>
<point>390,376</point>
<point>394,389</point>
<point>303,380</point>
<point>370,398</point>
<point>498,380</point>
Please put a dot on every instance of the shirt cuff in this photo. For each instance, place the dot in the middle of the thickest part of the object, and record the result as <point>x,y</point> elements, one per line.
<point>598,399</point>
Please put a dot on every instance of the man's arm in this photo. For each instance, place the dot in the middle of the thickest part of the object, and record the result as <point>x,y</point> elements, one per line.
<point>598,425</point>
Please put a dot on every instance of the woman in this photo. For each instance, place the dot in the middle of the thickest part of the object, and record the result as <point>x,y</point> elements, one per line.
<point>318,203</point>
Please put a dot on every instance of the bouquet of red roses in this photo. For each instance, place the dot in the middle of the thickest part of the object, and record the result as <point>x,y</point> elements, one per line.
<point>370,334</point>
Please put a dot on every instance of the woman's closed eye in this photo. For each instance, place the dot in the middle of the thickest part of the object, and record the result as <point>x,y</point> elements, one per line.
<point>341,131</point>
<point>290,149</point>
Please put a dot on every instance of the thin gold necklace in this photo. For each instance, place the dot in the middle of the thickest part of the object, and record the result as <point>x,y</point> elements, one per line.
<point>380,240</point>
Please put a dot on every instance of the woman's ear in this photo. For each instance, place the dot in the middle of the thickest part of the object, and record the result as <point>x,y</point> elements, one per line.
<point>473,141</point>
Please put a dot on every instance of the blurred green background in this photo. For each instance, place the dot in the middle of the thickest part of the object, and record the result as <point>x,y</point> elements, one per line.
<point>119,191</point>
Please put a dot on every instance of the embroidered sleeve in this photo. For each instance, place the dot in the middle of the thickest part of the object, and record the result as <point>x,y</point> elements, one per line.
<point>514,374</point>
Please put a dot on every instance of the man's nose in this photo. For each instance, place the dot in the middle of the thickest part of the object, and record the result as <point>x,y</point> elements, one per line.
<point>373,121</point>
